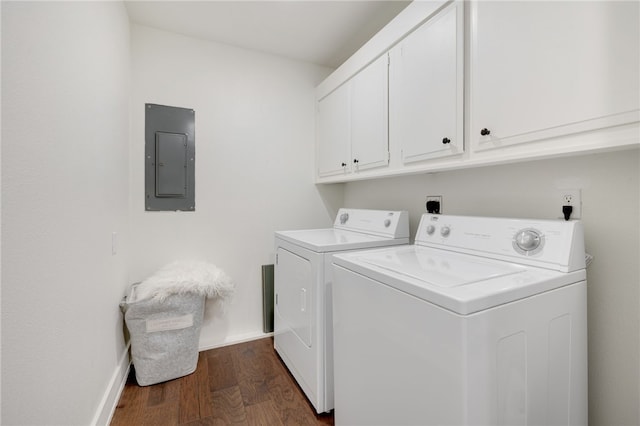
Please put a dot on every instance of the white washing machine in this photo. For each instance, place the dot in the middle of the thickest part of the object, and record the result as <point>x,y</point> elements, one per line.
<point>483,321</point>
<point>303,276</point>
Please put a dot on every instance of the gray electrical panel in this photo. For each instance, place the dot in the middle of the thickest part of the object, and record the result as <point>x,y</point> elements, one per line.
<point>169,158</point>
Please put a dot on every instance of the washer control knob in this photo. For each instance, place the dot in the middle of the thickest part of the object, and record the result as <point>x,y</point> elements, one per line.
<point>387,222</point>
<point>431,229</point>
<point>445,231</point>
<point>344,217</point>
<point>528,240</point>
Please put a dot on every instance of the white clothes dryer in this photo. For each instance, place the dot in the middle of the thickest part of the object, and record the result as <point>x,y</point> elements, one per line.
<point>302,289</point>
<point>483,321</point>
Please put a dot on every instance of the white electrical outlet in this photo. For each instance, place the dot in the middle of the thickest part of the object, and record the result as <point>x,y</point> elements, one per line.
<point>573,198</point>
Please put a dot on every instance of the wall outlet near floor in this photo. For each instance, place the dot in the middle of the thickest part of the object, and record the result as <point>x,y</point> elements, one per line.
<point>434,204</point>
<point>570,197</point>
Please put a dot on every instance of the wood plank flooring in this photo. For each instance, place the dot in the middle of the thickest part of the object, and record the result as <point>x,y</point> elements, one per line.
<point>243,384</point>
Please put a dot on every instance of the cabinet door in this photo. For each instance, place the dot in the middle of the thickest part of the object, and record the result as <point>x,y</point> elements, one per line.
<point>426,88</point>
<point>369,116</point>
<point>547,69</point>
<point>334,132</point>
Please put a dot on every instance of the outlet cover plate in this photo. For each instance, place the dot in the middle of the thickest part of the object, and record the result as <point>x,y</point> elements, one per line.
<point>570,197</point>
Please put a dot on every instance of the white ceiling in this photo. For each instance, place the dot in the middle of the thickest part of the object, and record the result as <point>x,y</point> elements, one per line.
<point>322,32</point>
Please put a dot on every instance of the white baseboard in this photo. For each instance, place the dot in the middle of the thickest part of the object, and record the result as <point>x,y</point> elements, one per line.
<point>232,340</point>
<point>112,394</point>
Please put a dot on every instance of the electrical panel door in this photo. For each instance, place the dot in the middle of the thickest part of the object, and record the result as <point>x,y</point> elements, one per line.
<point>169,158</point>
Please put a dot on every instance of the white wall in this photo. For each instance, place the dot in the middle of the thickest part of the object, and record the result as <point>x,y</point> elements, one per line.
<point>611,215</point>
<point>65,109</point>
<point>254,165</point>
<point>65,189</point>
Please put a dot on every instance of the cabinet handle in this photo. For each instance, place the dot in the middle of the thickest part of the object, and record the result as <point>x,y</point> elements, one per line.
<point>355,161</point>
<point>485,132</point>
<point>446,141</point>
<point>344,164</point>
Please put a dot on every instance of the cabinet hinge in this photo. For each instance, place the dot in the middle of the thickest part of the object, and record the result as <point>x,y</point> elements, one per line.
<point>276,298</point>
<point>276,258</point>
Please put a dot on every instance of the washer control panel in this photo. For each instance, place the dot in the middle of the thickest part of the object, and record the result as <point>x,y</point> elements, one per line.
<point>394,224</point>
<point>542,242</point>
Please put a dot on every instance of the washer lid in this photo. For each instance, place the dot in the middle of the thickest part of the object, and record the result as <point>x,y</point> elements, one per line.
<point>328,240</point>
<point>440,268</point>
<point>458,282</point>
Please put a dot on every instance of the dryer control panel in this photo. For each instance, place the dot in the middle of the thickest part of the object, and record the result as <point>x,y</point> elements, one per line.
<point>552,244</point>
<point>386,223</point>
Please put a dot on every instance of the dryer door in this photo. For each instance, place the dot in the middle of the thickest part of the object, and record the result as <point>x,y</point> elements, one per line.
<point>294,290</point>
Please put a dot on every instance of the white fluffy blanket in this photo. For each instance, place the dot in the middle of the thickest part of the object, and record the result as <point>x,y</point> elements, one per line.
<point>186,277</point>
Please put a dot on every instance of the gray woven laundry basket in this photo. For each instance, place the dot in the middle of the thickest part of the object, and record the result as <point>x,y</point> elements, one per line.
<point>164,335</point>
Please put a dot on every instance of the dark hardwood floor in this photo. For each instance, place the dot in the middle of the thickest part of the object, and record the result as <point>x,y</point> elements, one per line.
<point>245,384</point>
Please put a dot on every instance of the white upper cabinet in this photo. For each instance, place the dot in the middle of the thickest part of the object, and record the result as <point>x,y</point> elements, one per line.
<point>542,70</point>
<point>334,132</point>
<point>426,88</point>
<point>519,80</point>
<point>353,123</point>
<point>369,116</point>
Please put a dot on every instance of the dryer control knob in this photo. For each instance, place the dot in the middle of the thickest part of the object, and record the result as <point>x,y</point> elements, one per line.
<point>445,231</point>
<point>431,229</point>
<point>344,217</point>
<point>387,223</point>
